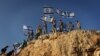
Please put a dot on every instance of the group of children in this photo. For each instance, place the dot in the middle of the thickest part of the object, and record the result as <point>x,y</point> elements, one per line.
<point>61,27</point>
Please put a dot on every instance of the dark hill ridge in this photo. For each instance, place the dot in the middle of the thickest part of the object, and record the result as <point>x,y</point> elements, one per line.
<point>74,43</point>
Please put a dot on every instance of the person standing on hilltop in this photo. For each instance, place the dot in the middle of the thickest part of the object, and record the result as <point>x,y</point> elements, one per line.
<point>3,51</point>
<point>38,31</point>
<point>30,35</point>
<point>28,31</point>
<point>54,25</point>
<point>78,25</point>
<point>44,27</point>
<point>11,53</point>
<point>60,25</point>
<point>70,26</point>
<point>44,20</point>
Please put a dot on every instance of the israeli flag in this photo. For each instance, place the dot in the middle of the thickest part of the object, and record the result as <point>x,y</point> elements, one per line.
<point>51,19</point>
<point>63,14</point>
<point>48,10</point>
<point>25,27</point>
<point>58,11</point>
<point>71,14</point>
<point>47,18</point>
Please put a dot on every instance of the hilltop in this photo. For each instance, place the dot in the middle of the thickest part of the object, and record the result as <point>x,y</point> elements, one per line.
<point>74,43</point>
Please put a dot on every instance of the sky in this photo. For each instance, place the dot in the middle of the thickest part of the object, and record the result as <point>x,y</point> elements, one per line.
<point>16,13</point>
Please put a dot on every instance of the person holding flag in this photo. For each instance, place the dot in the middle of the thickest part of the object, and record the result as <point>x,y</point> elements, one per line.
<point>28,31</point>
<point>53,25</point>
<point>44,20</point>
<point>44,27</point>
<point>48,18</point>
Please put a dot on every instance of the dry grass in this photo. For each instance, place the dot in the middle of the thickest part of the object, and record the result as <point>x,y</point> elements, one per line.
<point>74,43</point>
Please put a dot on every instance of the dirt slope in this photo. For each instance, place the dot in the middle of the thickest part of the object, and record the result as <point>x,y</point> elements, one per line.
<point>74,43</point>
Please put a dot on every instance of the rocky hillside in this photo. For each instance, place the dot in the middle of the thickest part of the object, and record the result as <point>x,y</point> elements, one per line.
<point>74,43</point>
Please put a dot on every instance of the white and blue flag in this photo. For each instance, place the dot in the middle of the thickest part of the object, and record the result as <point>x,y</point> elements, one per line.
<point>48,18</point>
